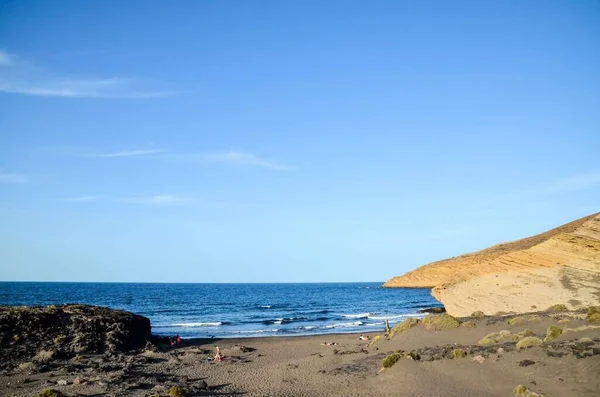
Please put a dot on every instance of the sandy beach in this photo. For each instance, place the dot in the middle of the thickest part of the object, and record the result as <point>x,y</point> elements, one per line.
<point>567,366</point>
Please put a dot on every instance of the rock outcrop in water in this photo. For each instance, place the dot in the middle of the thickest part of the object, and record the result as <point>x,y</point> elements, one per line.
<point>561,266</point>
<point>43,333</point>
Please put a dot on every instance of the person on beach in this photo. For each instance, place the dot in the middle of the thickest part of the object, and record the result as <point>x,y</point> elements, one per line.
<point>178,340</point>
<point>217,354</point>
<point>363,338</point>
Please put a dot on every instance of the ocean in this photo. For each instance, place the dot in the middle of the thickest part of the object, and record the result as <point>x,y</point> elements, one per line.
<point>237,310</point>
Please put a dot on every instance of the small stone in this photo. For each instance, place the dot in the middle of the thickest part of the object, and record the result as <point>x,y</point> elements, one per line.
<point>62,382</point>
<point>77,381</point>
<point>500,350</point>
<point>479,358</point>
<point>526,363</point>
<point>203,385</point>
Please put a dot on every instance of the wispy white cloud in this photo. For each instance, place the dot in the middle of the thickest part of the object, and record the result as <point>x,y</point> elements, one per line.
<point>13,177</point>
<point>165,199</point>
<point>20,77</point>
<point>245,159</point>
<point>127,153</point>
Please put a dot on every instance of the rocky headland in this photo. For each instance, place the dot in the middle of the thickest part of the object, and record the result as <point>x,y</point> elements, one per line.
<point>560,266</point>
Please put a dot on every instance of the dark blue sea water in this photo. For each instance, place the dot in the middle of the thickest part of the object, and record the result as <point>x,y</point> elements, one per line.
<point>236,310</point>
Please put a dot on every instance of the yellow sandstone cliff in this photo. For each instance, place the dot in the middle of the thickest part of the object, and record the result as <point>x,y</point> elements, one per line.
<point>559,266</point>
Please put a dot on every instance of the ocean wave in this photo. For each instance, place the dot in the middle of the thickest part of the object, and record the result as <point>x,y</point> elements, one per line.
<point>253,331</point>
<point>344,325</point>
<point>265,306</point>
<point>394,316</point>
<point>191,325</point>
<point>360,315</point>
<point>373,324</point>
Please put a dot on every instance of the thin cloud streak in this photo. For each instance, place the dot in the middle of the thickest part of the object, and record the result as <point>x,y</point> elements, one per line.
<point>12,177</point>
<point>19,77</point>
<point>83,199</point>
<point>130,153</point>
<point>245,159</point>
<point>159,200</point>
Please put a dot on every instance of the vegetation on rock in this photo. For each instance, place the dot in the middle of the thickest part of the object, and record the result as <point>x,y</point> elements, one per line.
<point>558,308</point>
<point>458,353</point>
<point>440,321</point>
<point>552,333</point>
<point>494,337</point>
<point>529,341</point>
<point>594,318</point>
<point>478,314</point>
<point>50,393</point>
<point>403,326</point>
<point>529,318</point>
<point>176,391</point>
<point>469,324</point>
<point>390,360</point>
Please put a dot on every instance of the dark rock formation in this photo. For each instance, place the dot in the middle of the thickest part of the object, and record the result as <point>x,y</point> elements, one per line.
<point>40,333</point>
<point>435,310</point>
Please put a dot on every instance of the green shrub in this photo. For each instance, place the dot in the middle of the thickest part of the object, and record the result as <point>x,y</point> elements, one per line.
<point>50,393</point>
<point>176,391</point>
<point>520,391</point>
<point>413,356</point>
<point>58,340</point>
<point>558,308</point>
<point>403,326</point>
<point>594,318</point>
<point>478,314</point>
<point>375,339</point>
<point>529,318</point>
<point>458,353</point>
<point>528,342</point>
<point>390,360</point>
<point>592,310</point>
<point>440,321</point>
<point>552,333</point>
<point>494,337</point>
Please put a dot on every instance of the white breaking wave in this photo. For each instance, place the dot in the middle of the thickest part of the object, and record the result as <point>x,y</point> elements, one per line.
<point>255,331</point>
<point>395,316</point>
<point>360,315</point>
<point>278,321</point>
<point>266,306</point>
<point>373,324</point>
<point>341,325</point>
<point>215,324</point>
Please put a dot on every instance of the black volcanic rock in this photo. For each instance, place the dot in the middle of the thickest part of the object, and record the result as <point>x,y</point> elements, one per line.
<point>435,310</point>
<point>68,330</point>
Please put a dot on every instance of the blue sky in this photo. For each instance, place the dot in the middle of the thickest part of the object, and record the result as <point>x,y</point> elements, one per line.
<point>284,141</point>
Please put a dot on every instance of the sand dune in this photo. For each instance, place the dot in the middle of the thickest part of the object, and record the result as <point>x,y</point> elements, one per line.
<point>558,266</point>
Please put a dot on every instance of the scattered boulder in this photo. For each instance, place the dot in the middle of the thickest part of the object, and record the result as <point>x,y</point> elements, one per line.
<point>413,356</point>
<point>526,363</point>
<point>440,322</point>
<point>528,342</point>
<point>403,326</point>
<point>529,318</point>
<point>41,334</point>
<point>436,310</point>
<point>552,333</point>
<point>479,359</point>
